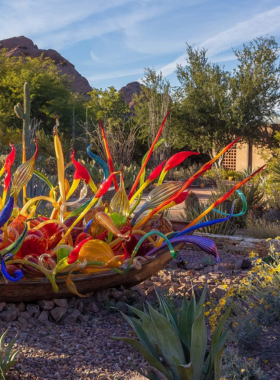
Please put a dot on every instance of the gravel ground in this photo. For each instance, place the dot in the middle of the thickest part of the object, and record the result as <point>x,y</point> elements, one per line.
<point>81,351</point>
<point>84,350</point>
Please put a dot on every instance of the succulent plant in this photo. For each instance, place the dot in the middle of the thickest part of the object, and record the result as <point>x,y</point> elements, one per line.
<point>175,343</point>
<point>24,114</point>
<point>7,357</point>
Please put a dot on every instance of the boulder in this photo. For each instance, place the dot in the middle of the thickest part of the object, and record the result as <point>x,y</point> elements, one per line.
<point>62,302</point>
<point>69,319</point>
<point>44,317</point>
<point>58,312</point>
<point>22,46</point>
<point>9,315</point>
<point>46,304</point>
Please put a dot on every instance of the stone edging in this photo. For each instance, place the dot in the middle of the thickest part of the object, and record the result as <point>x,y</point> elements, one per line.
<point>241,245</point>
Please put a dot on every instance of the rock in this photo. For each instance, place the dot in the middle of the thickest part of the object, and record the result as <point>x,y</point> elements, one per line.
<point>2,305</point>
<point>32,309</point>
<point>81,306</point>
<point>9,315</point>
<point>117,294</point>
<point>128,91</point>
<point>69,319</point>
<point>46,304</point>
<point>61,302</point>
<point>104,313</point>
<point>208,269</point>
<point>93,307</point>
<point>58,312</point>
<point>74,302</point>
<point>191,273</point>
<point>84,318</point>
<point>23,321</point>
<point>121,306</point>
<point>21,307</point>
<point>44,317</point>
<point>102,295</point>
<point>18,46</point>
<point>246,264</point>
<point>219,291</point>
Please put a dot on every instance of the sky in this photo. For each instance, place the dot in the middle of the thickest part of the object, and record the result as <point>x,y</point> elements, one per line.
<point>110,42</point>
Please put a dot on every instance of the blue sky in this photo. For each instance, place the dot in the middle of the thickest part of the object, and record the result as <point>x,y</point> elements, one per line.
<point>111,41</point>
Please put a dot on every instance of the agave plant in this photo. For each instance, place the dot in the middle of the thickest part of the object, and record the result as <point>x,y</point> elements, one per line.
<point>175,343</point>
<point>7,357</point>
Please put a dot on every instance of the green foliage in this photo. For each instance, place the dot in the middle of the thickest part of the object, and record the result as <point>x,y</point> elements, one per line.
<point>193,209</point>
<point>175,344</point>
<point>252,192</point>
<point>237,367</point>
<point>212,105</point>
<point>150,108</point>
<point>24,114</point>
<point>50,92</point>
<point>107,104</point>
<point>7,356</point>
<point>262,228</point>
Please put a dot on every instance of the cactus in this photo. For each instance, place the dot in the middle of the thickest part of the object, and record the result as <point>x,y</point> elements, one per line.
<point>24,114</point>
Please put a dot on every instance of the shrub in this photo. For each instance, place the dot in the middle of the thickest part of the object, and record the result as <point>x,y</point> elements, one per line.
<point>194,209</point>
<point>262,229</point>
<point>256,301</point>
<point>253,194</point>
<point>175,344</point>
<point>236,367</point>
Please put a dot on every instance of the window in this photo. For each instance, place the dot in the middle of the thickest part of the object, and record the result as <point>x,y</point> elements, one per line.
<point>229,162</point>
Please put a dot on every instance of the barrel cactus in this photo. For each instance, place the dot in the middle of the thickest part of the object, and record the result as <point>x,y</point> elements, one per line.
<point>175,344</point>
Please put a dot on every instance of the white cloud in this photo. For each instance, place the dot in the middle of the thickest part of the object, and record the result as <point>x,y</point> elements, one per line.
<point>39,17</point>
<point>263,23</point>
<point>115,74</point>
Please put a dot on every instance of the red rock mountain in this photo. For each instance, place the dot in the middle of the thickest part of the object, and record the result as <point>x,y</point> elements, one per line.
<point>129,90</point>
<point>24,46</point>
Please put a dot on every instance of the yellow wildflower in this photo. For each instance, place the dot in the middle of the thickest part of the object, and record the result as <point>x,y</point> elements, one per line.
<point>222,301</point>
<point>242,370</point>
<point>268,278</point>
<point>271,270</point>
<point>261,301</point>
<point>258,261</point>
<point>252,304</point>
<point>207,313</point>
<point>252,254</point>
<point>208,303</point>
<point>267,307</point>
<point>268,239</point>
<point>235,324</point>
<point>274,293</point>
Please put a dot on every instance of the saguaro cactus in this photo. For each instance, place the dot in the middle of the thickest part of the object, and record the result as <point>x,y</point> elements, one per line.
<point>24,114</point>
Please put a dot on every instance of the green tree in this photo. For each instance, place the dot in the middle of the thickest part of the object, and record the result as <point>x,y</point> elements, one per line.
<point>255,86</point>
<point>212,105</point>
<point>202,106</point>
<point>107,105</point>
<point>150,108</point>
<point>50,92</point>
